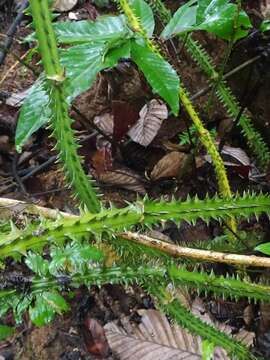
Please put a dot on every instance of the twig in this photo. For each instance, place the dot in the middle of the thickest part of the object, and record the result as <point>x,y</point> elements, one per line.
<point>170,249</point>
<point>226,76</point>
<point>11,31</point>
<point>22,206</point>
<point>197,254</point>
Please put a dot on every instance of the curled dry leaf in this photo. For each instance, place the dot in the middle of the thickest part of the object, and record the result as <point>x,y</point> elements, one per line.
<point>102,160</point>
<point>95,338</point>
<point>64,5</point>
<point>151,117</point>
<point>169,166</point>
<point>106,124</point>
<point>122,178</point>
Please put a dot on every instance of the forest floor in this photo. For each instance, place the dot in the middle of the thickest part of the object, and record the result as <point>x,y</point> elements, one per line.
<point>166,167</point>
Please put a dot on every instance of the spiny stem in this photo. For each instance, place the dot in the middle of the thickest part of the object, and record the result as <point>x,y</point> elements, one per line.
<point>60,121</point>
<point>145,212</point>
<point>192,323</point>
<point>223,92</point>
<point>204,135</point>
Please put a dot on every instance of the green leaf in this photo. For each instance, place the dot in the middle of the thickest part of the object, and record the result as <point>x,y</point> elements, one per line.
<point>74,258</point>
<point>207,350</point>
<point>46,306</point>
<point>182,21</point>
<point>56,301</point>
<point>265,25</point>
<point>104,29</point>
<point>84,62</point>
<point>34,113</point>
<point>159,73</point>
<point>41,313</point>
<point>37,264</point>
<point>144,12</point>
<point>219,19</point>
<point>5,331</point>
<point>263,248</point>
<point>22,305</point>
<point>214,16</point>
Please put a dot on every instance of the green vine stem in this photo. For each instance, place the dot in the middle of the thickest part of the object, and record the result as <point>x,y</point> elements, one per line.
<point>144,212</point>
<point>60,121</point>
<point>192,323</point>
<point>204,135</point>
<point>224,94</point>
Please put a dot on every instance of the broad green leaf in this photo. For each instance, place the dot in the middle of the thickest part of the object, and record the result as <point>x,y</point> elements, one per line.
<point>220,20</point>
<point>84,62</point>
<point>34,113</point>
<point>145,14</point>
<point>214,16</point>
<point>56,301</point>
<point>46,306</point>
<point>5,331</point>
<point>265,25</point>
<point>104,29</point>
<point>263,248</point>
<point>41,313</point>
<point>158,72</point>
<point>182,21</point>
<point>37,264</point>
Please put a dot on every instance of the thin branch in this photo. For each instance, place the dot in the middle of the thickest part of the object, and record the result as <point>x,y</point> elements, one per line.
<point>226,76</point>
<point>197,254</point>
<point>12,31</point>
<point>8,206</point>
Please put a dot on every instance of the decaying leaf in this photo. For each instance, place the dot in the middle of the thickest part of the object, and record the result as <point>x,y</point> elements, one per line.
<point>151,117</point>
<point>153,339</point>
<point>169,166</point>
<point>94,337</point>
<point>16,99</point>
<point>125,115</point>
<point>123,178</point>
<point>64,5</point>
<point>105,123</point>
<point>102,160</point>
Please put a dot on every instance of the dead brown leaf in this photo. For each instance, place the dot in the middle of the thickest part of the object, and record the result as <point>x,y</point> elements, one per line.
<point>94,338</point>
<point>148,125</point>
<point>169,166</point>
<point>123,178</point>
